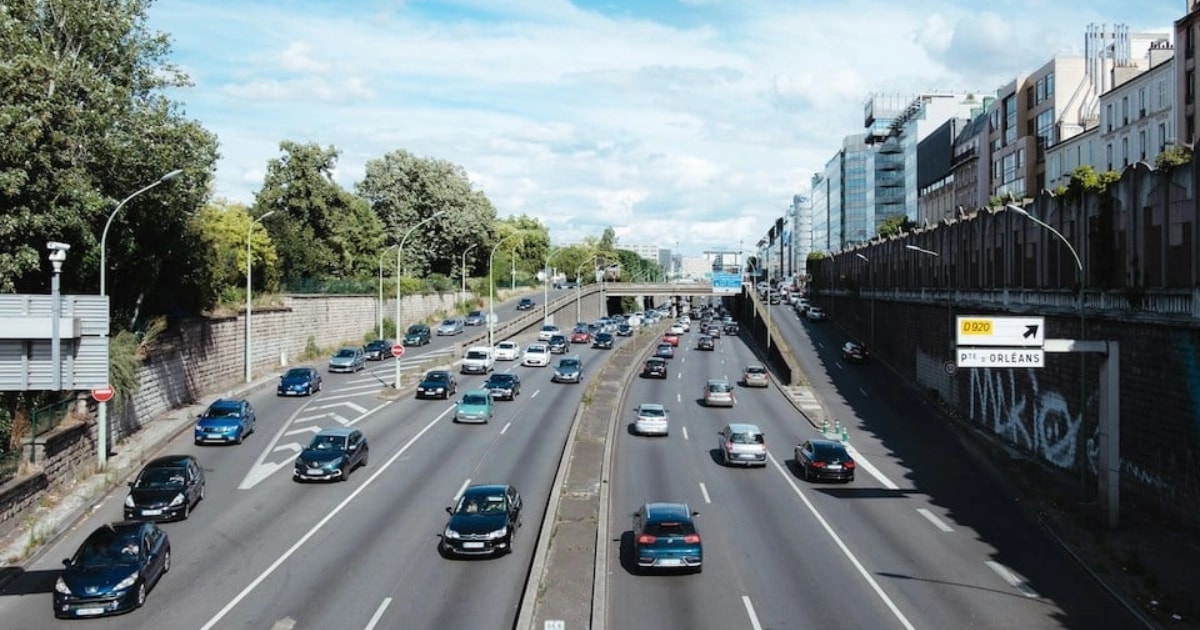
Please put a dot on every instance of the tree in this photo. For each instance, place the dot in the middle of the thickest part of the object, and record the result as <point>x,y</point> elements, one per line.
<point>895,224</point>
<point>223,227</point>
<point>1171,157</point>
<point>534,244</point>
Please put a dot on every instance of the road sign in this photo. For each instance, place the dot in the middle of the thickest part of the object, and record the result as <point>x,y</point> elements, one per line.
<point>397,350</point>
<point>1000,357</point>
<point>730,283</point>
<point>991,330</point>
<point>104,393</point>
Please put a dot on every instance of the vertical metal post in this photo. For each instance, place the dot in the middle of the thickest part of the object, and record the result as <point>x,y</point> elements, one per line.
<point>1110,435</point>
<point>55,323</point>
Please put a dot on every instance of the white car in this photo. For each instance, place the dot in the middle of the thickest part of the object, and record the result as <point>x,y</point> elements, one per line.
<point>686,322</point>
<point>547,332</point>
<point>652,419</point>
<point>508,351</point>
<point>816,314</point>
<point>676,329</point>
<point>536,355</point>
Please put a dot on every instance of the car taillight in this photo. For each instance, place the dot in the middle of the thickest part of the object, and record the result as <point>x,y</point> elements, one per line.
<point>692,539</point>
<point>646,539</point>
<point>817,464</point>
<point>729,446</point>
<point>849,463</point>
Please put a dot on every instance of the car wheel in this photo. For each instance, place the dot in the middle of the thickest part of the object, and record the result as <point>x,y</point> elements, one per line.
<point>240,438</point>
<point>141,596</point>
<point>308,391</point>
<point>187,511</point>
<point>202,488</point>
<point>345,476</point>
<point>166,561</point>
<point>366,458</point>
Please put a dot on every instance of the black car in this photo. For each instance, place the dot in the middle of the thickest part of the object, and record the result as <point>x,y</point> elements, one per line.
<point>525,304</point>
<point>167,489</point>
<point>732,328</point>
<point>625,330</point>
<point>378,350</point>
<point>437,384</point>
<point>603,340</point>
<point>824,459</point>
<point>483,522</point>
<point>559,344</point>
<point>112,570</point>
<point>299,381</point>
<point>853,352</point>
<point>332,455</point>
<point>417,335</point>
<point>503,385</point>
<point>655,368</point>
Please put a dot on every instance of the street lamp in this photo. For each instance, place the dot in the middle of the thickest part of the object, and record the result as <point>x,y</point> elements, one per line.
<point>546,283</point>
<point>379,308</point>
<point>249,258</point>
<point>463,296</point>
<point>399,257</point>
<point>102,408</point>
<point>58,255</point>
<point>492,288</point>
<point>871,281</point>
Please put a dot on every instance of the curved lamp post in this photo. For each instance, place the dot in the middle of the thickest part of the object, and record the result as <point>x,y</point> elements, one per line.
<point>399,257</point>
<point>102,408</point>
<point>464,271</point>
<point>492,288</point>
<point>249,258</point>
<point>379,308</point>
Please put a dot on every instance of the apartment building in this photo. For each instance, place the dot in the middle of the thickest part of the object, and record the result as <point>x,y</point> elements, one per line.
<point>936,199</point>
<point>801,212</point>
<point>818,212</point>
<point>1187,30</point>
<point>971,163</point>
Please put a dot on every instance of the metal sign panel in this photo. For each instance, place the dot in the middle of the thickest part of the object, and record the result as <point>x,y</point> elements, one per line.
<point>1000,357</point>
<point>991,330</point>
<point>726,283</point>
<point>25,348</point>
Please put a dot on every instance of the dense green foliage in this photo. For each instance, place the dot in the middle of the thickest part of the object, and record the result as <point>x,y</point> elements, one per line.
<point>895,224</point>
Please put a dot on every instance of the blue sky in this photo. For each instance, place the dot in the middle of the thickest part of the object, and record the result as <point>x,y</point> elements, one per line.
<point>689,121</point>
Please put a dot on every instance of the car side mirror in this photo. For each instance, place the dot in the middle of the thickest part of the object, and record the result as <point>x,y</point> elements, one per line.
<point>449,510</point>
<point>66,562</point>
<point>695,513</point>
<point>130,484</point>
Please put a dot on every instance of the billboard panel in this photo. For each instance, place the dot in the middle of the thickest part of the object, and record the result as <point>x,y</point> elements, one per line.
<point>726,283</point>
<point>25,348</point>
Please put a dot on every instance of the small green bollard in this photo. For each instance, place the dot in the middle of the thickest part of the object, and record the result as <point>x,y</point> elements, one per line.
<point>845,434</point>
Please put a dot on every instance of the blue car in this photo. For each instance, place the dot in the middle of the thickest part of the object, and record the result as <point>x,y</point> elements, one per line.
<point>299,381</point>
<point>665,537</point>
<point>112,570</point>
<point>225,421</point>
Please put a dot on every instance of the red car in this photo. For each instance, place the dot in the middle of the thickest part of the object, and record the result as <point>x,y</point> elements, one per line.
<point>581,336</point>
<point>671,339</point>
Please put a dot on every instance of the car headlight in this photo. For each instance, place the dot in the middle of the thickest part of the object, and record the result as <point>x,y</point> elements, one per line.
<point>129,500</point>
<point>61,587</point>
<point>176,502</point>
<point>199,429</point>
<point>450,533</point>
<point>127,582</point>
<point>499,533</point>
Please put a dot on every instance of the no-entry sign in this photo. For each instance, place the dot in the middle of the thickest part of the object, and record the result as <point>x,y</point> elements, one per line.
<point>397,350</point>
<point>104,393</point>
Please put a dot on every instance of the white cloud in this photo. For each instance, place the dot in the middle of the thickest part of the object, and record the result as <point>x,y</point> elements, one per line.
<point>297,57</point>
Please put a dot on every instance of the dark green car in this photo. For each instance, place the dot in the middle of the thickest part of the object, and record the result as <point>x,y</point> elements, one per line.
<point>417,335</point>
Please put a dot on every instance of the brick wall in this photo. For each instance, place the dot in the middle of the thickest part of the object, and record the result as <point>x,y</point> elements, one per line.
<point>63,454</point>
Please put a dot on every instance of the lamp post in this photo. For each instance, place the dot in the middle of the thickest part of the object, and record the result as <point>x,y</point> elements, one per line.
<point>870,281</point>
<point>464,270</point>
<point>546,283</point>
<point>102,408</point>
<point>399,258</point>
<point>492,288</point>
<point>249,300</point>
<point>379,308</point>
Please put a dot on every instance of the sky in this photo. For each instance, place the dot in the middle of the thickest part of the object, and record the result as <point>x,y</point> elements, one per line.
<point>688,124</point>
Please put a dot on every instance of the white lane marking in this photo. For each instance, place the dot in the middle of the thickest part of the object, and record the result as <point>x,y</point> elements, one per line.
<point>1012,577</point>
<point>290,446</point>
<point>309,429</point>
<point>287,623</point>
<point>870,468</point>
<point>462,489</point>
<point>357,408</point>
<point>535,393</point>
<point>750,613</point>
<point>932,518</point>
<point>387,601</point>
<point>679,375</point>
<point>505,428</point>
<point>787,476</point>
<point>320,524</point>
<point>685,435</point>
<point>704,491</point>
<point>352,394</point>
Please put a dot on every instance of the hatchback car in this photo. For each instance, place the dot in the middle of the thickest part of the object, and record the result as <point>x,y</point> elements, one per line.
<point>671,338</point>
<point>676,329</point>
<point>732,328</point>
<point>547,331</point>
<point>664,351</point>
<point>484,521</point>
<point>816,314</point>
<point>503,385</point>
<point>451,326</point>
<point>705,342</point>
<point>854,352</point>
<point>718,393</point>
<point>755,376</point>
<point>226,421</point>
<point>113,569</point>
<point>603,341</point>
<point>568,370</point>
<point>652,419</point>
<point>525,304</point>
<point>299,381</point>
<point>476,406</point>
<point>348,360</point>
<point>417,335</point>
<point>713,331</point>
<point>166,489</point>
<point>824,459</point>
<point>437,384</point>
<point>332,455</point>
<point>536,355</point>
<point>508,351</point>
<point>624,330</point>
<point>665,537</point>
<point>475,318</point>
<point>581,335</point>
<point>558,344</point>
<point>655,367</point>
<point>742,445</point>
<point>378,350</point>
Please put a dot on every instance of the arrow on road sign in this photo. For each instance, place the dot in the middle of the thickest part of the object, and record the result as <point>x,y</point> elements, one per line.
<point>1030,331</point>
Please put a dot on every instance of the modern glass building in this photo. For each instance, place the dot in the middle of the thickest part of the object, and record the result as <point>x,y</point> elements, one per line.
<point>858,191</point>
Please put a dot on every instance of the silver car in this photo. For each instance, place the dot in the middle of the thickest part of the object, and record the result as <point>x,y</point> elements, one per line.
<point>756,376</point>
<point>348,360</point>
<point>718,393</point>
<point>452,326</point>
<point>742,445</point>
<point>652,419</point>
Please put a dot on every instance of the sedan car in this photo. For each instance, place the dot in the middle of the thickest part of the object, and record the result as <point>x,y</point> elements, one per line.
<point>581,335</point>
<point>671,338</point>
<point>225,421</point>
<point>625,330</point>
<point>603,341</point>
<point>824,459</point>
<point>503,385</point>
<point>705,342</point>
<point>547,331</point>
<point>332,455</point>
<point>755,376</point>
<point>718,393</point>
<point>417,335</point>
<point>348,360</point>
<point>652,419</point>
<point>508,351</point>
<point>854,352</point>
<point>568,370</point>
<point>665,351</point>
<point>665,537</point>
<point>378,350</point>
<point>451,326</point>
<point>559,344</point>
<point>732,328</point>
<point>525,304</point>
<point>536,355</point>
<point>299,381</point>
<point>484,521</point>
<point>655,367</point>
<point>476,406</point>
<point>742,444</point>
<point>112,570</point>
<point>437,384</point>
<point>676,329</point>
<point>475,318</point>
<point>166,490</point>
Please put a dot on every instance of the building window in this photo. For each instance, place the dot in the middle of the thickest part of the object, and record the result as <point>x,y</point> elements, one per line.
<point>1124,151</point>
<point>1041,89</point>
<point>1020,158</point>
<point>1029,98</point>
<point>1189,85</point>
<point>1050,85</point>
<point>1108,117</point>
<point>1142,144</point>
<point>996,119</point>
<point>1010,119</point>
<point>1162,137</point>
<point>1162,93</point>
<point>1108,154</point>
<point>1124,110</point>
<point>1141,102</point>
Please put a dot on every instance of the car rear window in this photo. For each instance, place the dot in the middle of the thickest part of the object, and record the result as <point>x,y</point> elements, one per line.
<point>746,438</point>
<point>829,451</point>
<point>756,370</point>
<point>670,528</point>
<point>719,388</point>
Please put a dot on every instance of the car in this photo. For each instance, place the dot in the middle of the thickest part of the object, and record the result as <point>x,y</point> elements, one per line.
<point>166,489</point>
<point>625,330</point>
<point>654,367</point>
<point>332,455</point>
<point>824,459</point>
<point>503,385</point>
<point>378,350</point>
<point>713,331</point>
<point>568,370</point>
<point>477,360</point>
<point>742,444</point>
<point>652,419</point>
<point>603,341</point>
<point>854,352</point>
<point>732,328</point>
<point>756,376</point>
<point>581,335</point>
<point>508,351</point>
<point>348,360</point>
<point>559,344</point>
<point>226,421</point>
<point>484,521</point>
<point>417,335</point>
<point>665,351</point>
<point>665,537</point>
<point>525,304</point>
<point>685,322</point>
<point>705,342</point>
<point>475,406</point>
<point>671,338</point>
<point>112,570</point>
<point>816,314</point>
<point>475,318</point>
<point>547,332</point>
<point>718,393</point>
<point>676,329</point>
<point>536,355</point>
<point>299,381</point>
<point>437,384</point>
<point>450,326</point>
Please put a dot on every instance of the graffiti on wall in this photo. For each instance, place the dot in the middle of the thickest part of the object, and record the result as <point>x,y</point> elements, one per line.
<point>1012,404</point>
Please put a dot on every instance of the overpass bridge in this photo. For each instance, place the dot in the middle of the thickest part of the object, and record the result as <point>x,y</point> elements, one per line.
<point>649,289</point>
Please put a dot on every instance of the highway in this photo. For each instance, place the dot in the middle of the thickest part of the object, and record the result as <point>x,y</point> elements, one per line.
<point>923,538</point>
<point>262,551</point>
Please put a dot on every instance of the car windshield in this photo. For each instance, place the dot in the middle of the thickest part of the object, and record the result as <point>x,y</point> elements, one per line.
<point>482,504</point>
<point>719,387</point>
<point>535,349</point>
<point>549,328</point>
<point>569,364</point>
<point>500,379</point>
<point>476,354</point>
<point>746,438</point>
<point>656,363</point>
<point>345,353</point>
<point>670,528</point>
<point>296,373</point>
<point>224,410</point>
<point>448,322</point>
<point>653,412</point>
<point>506,345</point>
<point>558,339</point>
<point>475,399</point>
<point>107,548</point>
<point>328,443</point>
<point>416,330</point>
<point>437,376</point>
<point>827,452</point>
<point>159,478</point>
<point>475,314</point>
